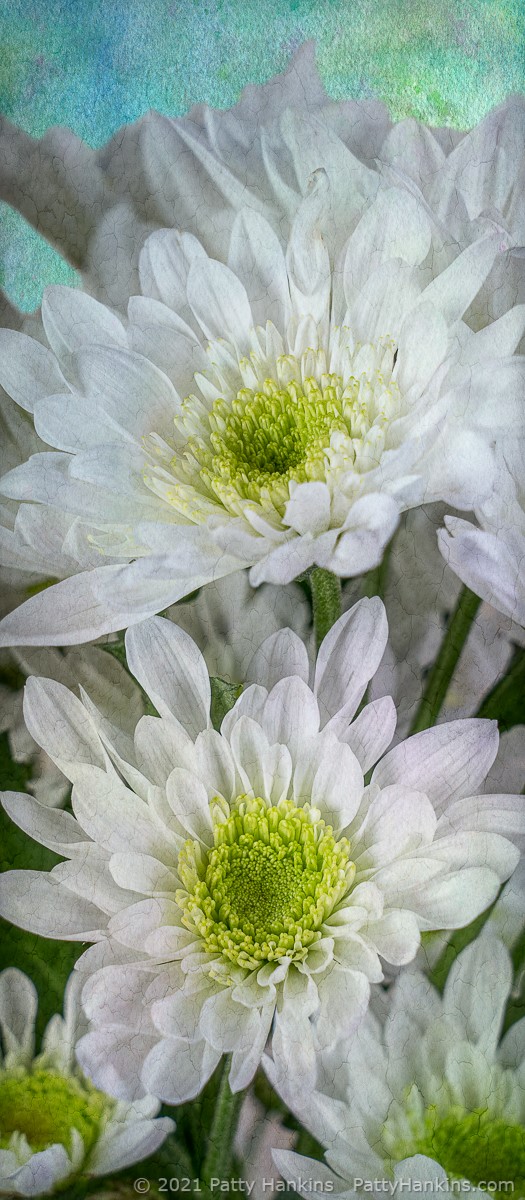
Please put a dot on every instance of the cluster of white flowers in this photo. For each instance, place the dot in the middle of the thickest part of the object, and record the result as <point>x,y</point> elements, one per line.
<point>297,343</point>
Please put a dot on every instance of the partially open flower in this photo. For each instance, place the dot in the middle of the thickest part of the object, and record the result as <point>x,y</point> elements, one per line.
<point>55,1126</point>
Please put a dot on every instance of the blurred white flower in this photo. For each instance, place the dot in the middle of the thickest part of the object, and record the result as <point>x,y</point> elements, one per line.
<point>491,558</point>
<point>430,1079</point>
<point>420,592</point>
<point>98,206</point>
<point>246,877</point>
<point>89,669</point>
<point>56,1127</point>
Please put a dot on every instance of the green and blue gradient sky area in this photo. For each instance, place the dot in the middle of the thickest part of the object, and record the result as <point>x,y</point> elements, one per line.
<point>95,65</point>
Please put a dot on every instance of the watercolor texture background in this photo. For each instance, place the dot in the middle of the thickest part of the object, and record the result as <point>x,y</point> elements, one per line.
<point>94,66</point>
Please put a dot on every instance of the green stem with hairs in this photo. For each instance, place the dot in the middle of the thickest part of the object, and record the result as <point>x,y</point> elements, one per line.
<point>217,1163</point>
<point>326,601</point>
<point>443,669</point>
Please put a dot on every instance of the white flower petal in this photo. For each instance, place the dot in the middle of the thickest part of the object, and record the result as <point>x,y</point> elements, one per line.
<point>137,1140</point>
<point>308,509</point>
<point>348,657</point>
<point>388,295</point>
<point>394,226</point>
<point>115,818</point>
<point>60,723</point>
<point>444,762</point>
<point>59,831</point>
<point>73,319</point>
<point>88,605</point>
<point>27,369</point>
<point>290,714</point>
<point>113,1058</point>
<point>119,381</point>
<point>42,1173</point>
<point>477,989</point>
<point>171,669</point>
<point>35,901</point>
<point>485,563</point>
<point>141,872</point>
<point>176,1071</point>
<point>219,302</point>
<point>188,798</point>
<point>281,654</point>
<point>371,731</point>
<point>18,1007</point>
<point>256,258</point>
<point>455,288</point>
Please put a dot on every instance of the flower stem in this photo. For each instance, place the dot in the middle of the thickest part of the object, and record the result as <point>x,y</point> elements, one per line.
<point>217,1162</point>
<point>441,673</point>
<point>326,601</point>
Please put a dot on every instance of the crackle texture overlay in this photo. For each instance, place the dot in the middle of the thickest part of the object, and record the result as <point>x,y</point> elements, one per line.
<point>94,67</point>
<point>262,626</point>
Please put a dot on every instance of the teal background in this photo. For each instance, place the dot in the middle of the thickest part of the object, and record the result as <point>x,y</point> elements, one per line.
<point>95,65</point>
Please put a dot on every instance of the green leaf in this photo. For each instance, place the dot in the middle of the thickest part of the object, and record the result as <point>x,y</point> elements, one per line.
<point>117,649</point>
<point>223,697</point>
<point>506,702</point>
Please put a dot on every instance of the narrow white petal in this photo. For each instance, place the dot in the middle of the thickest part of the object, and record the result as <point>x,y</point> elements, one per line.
<point>455,288</point>
<point>60,723</point>
<point>18,1008</point>
<point>371,732</point>
<point>348,658</point>
<point>118,1148</point>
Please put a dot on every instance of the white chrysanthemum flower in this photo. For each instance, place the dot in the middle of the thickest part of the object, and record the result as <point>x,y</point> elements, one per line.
<point>278,412</point>
<point>491,559</point>
<point>55,1126</point>
<point>432,1079</point>
<point>247,875</point>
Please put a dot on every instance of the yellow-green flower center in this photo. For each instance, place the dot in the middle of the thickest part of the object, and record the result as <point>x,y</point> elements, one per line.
<point>45,1107</point>
<point>253,446</point>
<point>477,1147</point>
<point>269,437</point>
<point>267,422</point>
<point>477,1144</point>
<point>262,892</point>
